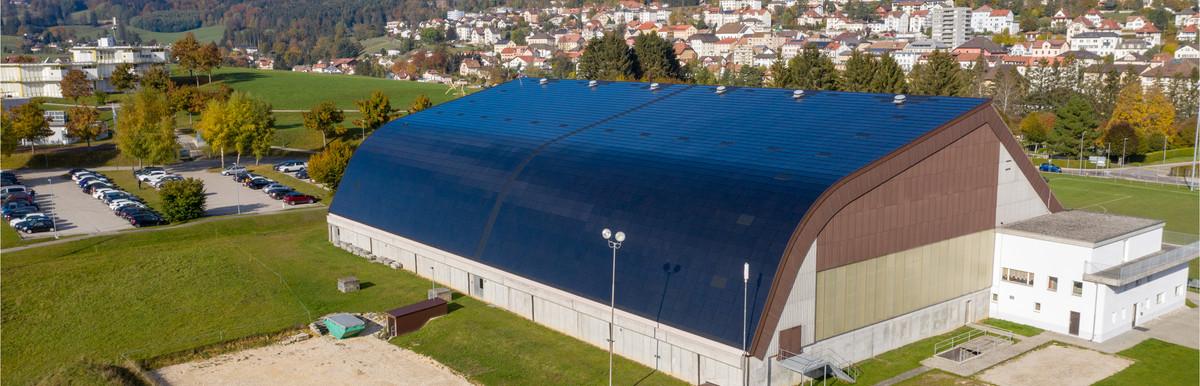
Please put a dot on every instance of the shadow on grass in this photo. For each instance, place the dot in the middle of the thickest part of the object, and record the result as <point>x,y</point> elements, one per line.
<point>236,77</point>
<point>364,285</point>
<point>450,308</point>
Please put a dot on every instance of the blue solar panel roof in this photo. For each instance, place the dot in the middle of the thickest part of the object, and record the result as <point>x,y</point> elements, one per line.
<point>523,177</point>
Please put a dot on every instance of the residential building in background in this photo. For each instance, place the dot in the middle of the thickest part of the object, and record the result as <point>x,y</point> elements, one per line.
<point>28,80</point>
<point>951,26</point>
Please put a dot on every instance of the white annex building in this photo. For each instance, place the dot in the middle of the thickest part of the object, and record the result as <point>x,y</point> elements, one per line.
<point>1087,274</point>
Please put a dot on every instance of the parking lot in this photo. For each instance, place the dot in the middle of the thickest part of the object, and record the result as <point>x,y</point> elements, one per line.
<point>73,211</point>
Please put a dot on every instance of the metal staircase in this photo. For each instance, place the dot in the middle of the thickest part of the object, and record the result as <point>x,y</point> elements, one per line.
<point>820,364</point>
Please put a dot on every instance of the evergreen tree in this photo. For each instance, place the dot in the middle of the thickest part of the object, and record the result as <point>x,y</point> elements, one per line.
<point>608,58</point>
<point>812,70</point>
<point>780,76</point>
<point>1074,126</point>
<point>860,72</point>
<point>941,75</point>
<point>888,77</point>
<point>656,58</point>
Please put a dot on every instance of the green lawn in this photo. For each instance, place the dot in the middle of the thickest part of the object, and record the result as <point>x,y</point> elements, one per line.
<point>203,34</point>
<point>102,153</point>
<point>287,90</point>
<point>1017,328</point>
<point>290,131</point>
<point>146,294</point>
<point>892,363</point>
<point>1175,204</point>
<point>1158,363</point>
<point>1174,155</point>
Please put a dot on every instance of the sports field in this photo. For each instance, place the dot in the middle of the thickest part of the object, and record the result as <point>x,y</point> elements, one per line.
<point>287,90</point>
<point>1175,204</point>
<point>146,294</point>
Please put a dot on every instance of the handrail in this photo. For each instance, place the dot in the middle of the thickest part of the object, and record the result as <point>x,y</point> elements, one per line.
<point>949,344</point>
<point>1143,265</point>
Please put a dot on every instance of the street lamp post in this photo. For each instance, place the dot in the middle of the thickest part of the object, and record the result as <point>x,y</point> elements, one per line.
<point>1123,142</point>
<point>614,242</point>
<point>745,306</point>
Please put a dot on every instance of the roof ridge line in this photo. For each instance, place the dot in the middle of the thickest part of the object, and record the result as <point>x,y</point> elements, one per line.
<point>495,212</point>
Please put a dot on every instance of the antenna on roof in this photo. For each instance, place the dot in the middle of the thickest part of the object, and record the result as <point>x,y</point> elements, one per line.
<point>720,90</point>
<point>797,94</point>
<point>898,99</point>
<point>653,86</point>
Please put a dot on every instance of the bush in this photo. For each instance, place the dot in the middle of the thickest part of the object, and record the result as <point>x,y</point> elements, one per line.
<point>183,200</point>
<point>327,166</point>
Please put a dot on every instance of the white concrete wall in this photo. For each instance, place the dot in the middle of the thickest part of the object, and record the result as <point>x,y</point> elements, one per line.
<point>1015,198</point>
<point>665,348</point>
<point>1115,314</point>
<point>1015,302</point>
<point>1144,244</point>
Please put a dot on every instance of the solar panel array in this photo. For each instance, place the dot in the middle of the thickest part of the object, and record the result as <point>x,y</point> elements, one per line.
<point>523,177</point>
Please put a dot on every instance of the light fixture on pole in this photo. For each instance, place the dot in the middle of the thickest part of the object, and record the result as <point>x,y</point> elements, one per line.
<point>745,306</point>
<point>614,242</point>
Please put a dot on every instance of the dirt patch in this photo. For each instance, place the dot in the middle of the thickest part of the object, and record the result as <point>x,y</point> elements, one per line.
<point>317,361</point>
<point>1056,365</point>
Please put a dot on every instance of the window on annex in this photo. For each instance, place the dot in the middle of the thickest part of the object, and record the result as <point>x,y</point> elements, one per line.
<point>1052,285</point>
<point>1037,307</point>
<point>1179,290</point>
<point>1162,298</point>
<point>1077,288</point>
<point>1017,276</point>
<point>995,298</point>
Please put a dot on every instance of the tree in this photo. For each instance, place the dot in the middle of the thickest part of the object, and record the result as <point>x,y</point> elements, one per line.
<point>420,103</point>
<point>208,58</point>
<point>183,200</point>
<point>1008,90</point>
<point>375,111</point>
<point>186,52</point>
<point>123,77</point>
<point>889,77</point>
<point>780,76</point>
<point>860,72</point>
<point>1035,128</point>
<point>101,97</point>
<point>146,130</point>
<point>324,118</point>
<point>812,70</point>
<point>82,123</point>
<point>941,75</point>
<point>75,85</point>
<point>8,135</point>
<point>1074,126</point>
<point>1149,113</point>
<point>656,59</point>
<point>251,126</point>
<point>608,58</point>
<point>328,166</point>
<point>157,77</point>
<point>1121,138</point>
<point>28,123</point>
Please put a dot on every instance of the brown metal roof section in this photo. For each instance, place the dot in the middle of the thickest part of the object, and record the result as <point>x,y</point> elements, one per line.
<point>859,183</point>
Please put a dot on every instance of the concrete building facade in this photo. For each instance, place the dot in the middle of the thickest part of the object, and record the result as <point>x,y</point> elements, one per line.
<point>28,80</point>
<point>950,26</point>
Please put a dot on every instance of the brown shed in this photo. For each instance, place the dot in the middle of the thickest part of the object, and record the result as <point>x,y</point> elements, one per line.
<point>411,317</point>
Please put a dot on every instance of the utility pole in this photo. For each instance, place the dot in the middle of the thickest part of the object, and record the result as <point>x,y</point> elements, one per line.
<point>1081,140</point>
<point>1123,142</point>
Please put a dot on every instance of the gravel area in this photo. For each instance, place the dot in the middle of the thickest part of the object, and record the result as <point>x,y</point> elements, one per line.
<point>1056,365</point>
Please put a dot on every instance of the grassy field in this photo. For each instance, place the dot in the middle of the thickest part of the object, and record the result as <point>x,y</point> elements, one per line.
<point>1158,363</point>
<point>892,363</point>
<point>290,131</point>
<point>301,186</point>
<point>102,153</point>
<point>287,90</point>
<point>1017,328</point>
<point>146,294</point>
<point>203,34</point>
<point>1175,204</point>
<point>1173,155</point>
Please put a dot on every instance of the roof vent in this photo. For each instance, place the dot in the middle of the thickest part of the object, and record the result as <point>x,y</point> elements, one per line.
<point>592,83</point>
<point>720,90</point>
<point>653,86</point>
<point>898,99</point>
<point>544,81</point>
<point>797,94</point>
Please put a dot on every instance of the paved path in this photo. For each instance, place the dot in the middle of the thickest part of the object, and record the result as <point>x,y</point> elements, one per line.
<point>989,358</point>
<point>904,376</point>
<point>1150,173</point>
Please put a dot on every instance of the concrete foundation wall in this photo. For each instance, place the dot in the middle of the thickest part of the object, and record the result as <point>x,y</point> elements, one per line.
<point>686,356</point>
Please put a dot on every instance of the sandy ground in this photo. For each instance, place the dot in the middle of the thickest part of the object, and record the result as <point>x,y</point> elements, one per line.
<point>316,361</point>
<point>1056,365</point>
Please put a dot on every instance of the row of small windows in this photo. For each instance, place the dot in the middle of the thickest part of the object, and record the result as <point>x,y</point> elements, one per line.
<point>1158,299</point>
<point>1027,278</point>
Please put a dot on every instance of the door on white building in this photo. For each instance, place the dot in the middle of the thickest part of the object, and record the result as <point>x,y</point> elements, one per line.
<point>1074,328</point>
<point>1133,320</point>
<point>969,312</point>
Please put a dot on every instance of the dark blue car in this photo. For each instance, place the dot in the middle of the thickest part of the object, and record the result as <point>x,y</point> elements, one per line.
<point>1049,167</point>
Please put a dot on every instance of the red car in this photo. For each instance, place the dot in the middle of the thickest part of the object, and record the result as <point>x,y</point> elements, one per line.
<point>297,198</point>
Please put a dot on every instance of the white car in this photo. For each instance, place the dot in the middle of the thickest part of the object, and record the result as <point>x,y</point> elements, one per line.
<point>233,169</point>
<point>30,216</point>
<point>99,193</point>
<point>158,183</point>
<point>153,175</point>
<point>13,189</point>
<point>155,178</point>
<point>118,204</point>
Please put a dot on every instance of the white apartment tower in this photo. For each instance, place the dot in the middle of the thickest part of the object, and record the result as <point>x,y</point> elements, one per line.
<point>951,26</point>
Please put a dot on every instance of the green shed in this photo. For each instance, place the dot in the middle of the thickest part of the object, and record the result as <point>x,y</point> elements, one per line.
<point>343,326</point>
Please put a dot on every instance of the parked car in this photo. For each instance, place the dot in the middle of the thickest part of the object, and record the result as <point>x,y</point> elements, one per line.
<point>289,166</point>
<point>118,204</point>
<point>127,212</point>
<point>1049,167</point>
<point>147,170</point>
<point>143,219</point>
<point>35,225</point>
<point>297,198</point>
<point>233,170</point>
<point>19,212</point>
<point>16,188</point>
<point>91,188</point>
<point>243,177</point>
<point>158,184</point>
<point>152,175</point>
<point>302,174</point>
<point>99,193</point>
<point>109,197</point>
<point>16,197</point>
<point>277,191</point>
<point>258,183</point>
<point>87,180</point>
<point>27,217</point>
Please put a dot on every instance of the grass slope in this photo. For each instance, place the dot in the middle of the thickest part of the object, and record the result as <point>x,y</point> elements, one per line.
<point>146,294</point>
<point>1158,363</point>
<point>287,90</point>
<point>203,34</point>
<point>892,363</point>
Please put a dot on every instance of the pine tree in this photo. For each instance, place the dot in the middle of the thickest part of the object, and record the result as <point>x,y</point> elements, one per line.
<point>860,71</point>
<point>607,58</point>
<point>888,77</point>
<point>1074,126</point>
<point>780,76</point>
<point>940,75</point>
<point>812,70</point>
<point>656,58</point>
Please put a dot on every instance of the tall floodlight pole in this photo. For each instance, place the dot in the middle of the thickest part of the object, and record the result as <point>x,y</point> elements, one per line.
<point>614,243</point>
<point>745,306</point>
